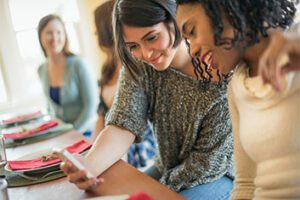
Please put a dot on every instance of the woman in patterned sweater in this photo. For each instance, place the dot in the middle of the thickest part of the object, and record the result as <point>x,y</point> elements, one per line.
<point>139,154</point>
<point>188,110</point>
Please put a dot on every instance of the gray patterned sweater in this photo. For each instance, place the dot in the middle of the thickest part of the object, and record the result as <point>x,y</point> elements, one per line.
<point>191,123</point>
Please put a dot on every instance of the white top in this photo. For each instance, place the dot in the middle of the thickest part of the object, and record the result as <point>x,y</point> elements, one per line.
<point>266,127</point>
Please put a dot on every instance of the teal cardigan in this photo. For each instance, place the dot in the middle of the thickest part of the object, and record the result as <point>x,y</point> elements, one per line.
<point>78,95</point>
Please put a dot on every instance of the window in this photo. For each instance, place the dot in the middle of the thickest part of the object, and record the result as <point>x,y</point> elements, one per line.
<point>25,18</point>
<point>21,54</point>
<point>3,94</point>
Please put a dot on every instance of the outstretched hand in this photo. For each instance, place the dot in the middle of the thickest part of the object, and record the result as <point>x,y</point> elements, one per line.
<point>280,57</point>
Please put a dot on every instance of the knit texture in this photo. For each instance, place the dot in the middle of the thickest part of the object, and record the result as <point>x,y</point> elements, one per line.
<point>266,127</point>
<point>190,120</point>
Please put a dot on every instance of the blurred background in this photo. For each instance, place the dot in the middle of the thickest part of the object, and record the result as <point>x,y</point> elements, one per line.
<point>20,52</point>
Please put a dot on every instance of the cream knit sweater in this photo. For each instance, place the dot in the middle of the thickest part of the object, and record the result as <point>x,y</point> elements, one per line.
<point>266,127</point>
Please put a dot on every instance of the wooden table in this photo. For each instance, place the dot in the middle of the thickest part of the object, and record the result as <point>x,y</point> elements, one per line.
<point>121,178</point>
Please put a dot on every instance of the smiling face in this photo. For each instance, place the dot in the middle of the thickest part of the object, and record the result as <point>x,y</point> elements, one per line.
<point>196,28</point>
<point>53,37</point>
<point>153,44</point>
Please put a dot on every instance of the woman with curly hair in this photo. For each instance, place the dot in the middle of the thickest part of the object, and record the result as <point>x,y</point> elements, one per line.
<point>236,35</point>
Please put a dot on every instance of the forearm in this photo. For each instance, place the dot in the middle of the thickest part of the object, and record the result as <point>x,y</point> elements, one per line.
<point>109,147</point>
<point>99,126</point>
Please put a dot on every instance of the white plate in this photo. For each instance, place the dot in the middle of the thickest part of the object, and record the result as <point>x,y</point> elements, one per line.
<point>31,156</point>
<point>21,127</point>
<point>35,155</point>
<point>8,116</point>
<point>59,127</point>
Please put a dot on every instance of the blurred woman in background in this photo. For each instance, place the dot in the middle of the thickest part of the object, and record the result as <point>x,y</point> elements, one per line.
<point>68,84</point>
<point>139,153</point>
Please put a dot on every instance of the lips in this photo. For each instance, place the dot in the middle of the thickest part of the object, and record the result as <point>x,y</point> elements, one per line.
<point>155,60</point>
<point>207,58</point>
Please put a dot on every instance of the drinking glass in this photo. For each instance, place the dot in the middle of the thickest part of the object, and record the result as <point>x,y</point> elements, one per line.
<point>3,159</point>
<point>3,189</point>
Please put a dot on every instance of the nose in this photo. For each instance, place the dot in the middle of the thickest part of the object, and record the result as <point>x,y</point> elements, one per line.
<point>195,49</point>
<point>146,52</point>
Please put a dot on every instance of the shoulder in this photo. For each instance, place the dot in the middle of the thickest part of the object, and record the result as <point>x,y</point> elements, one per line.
<point>77,65</point>
<point>42,69</point>
<point>142,75</point>
<point>75,61</point>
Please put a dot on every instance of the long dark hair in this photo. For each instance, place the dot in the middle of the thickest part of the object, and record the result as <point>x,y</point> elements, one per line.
<point>250,19</point>
<point>43,23</point>
<point>103,20</point>
<point>141,13</point>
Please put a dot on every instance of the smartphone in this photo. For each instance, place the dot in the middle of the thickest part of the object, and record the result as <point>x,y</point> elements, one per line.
<point>65,155</point>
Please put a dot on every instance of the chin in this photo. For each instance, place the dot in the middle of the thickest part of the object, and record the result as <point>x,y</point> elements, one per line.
<point>160,67</point>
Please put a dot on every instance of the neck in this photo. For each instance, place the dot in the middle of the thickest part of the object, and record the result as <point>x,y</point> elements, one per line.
<point>253,54</point>
<point>119,64</point>
<point>55,59</point>
<point>182,60</point>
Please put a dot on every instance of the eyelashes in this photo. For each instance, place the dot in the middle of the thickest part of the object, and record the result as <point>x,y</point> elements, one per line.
<point>149,39</point>
<point>192,31</point>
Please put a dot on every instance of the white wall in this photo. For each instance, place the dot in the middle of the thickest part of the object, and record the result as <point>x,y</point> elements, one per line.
<point>18,96</point>
<point>11,63</point>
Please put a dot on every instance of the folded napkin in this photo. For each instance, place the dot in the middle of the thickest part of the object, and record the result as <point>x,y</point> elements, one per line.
<point>46,160</point>
<point>21,118</point>
<point>139,196</point>
<point>43,127</point>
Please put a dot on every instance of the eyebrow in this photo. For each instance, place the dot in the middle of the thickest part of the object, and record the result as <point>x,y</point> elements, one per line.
<point>147,34</point>
<point>184,26</point>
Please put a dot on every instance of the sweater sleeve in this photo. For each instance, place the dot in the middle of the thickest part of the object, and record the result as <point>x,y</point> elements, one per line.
<point>244,166</point>
<point>88,95</point>
<point>211,156</point>
<point>130,105</point>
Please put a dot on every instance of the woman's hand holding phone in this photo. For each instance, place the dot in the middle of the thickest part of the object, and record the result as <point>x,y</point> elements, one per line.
<point>78,174</point>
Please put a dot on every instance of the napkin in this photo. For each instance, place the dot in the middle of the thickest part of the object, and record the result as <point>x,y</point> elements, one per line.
<point>21,118</point>
<point>139,196</point>
<point>43,127</point>
<point>78,147</point>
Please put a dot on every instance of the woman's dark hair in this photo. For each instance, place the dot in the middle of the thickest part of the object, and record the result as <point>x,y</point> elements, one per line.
<point>141,13</point>
<point>249,18</point>
<point>103,20</point>
<point>43,23</point>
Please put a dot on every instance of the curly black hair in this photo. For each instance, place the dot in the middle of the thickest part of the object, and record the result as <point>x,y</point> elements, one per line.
<point>250,19</point>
